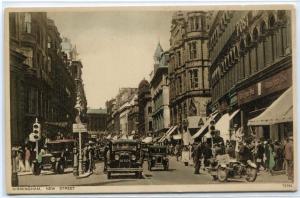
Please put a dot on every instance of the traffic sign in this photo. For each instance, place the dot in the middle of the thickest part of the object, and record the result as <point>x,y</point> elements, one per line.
<point>79,128</point>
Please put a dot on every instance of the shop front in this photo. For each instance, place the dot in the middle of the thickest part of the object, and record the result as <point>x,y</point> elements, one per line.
<point>256,98</point>
<point>276,122</point>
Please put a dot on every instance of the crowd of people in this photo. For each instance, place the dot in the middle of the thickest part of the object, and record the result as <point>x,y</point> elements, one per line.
<point>270,156</point>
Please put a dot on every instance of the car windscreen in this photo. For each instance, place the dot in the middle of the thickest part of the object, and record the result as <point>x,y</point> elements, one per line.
<point>124,146</point>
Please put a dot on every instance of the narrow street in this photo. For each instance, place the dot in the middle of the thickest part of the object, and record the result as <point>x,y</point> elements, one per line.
<point>177,174</point>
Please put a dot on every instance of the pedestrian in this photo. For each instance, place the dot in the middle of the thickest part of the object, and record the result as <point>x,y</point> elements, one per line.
<point>238,136</point>
<point>207,154</point>
<point>289,157</point>
<point>85,158</point>
<point>260,155</point>
<point>271,156</point>
<point>27,159</point>
<point>20,160</point>
<point>279,157</point>
<point>197,156</point>
<point>177,151</point>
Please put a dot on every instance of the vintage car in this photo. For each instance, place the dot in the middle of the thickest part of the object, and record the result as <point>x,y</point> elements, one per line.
<point>158,157</point>
<point>124,156</point>
<point>58,155</point>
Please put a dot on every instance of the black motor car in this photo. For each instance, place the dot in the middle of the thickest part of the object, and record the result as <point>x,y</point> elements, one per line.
<point>124,156</point>
<point>58,155</point>
<point>158,157</point>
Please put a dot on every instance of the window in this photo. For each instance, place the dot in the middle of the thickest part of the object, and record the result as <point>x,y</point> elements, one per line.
<point>27,23</point>
<point>180,84</point>
<point>150,125</point>
<point>193,50</point>
<point>194,78</point>
<point>149,110</point>
<point>49,64</point>
<point>179,58</point>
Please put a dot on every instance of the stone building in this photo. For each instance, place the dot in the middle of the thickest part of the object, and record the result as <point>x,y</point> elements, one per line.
<point>188,70</point>
<point>41,85</point>
<point>145,126</point>
<point>160,93</point>
<point>251,57</point>
<point>118,111</point>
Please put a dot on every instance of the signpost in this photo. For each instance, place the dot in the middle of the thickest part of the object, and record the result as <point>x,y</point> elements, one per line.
<point>80,128</point>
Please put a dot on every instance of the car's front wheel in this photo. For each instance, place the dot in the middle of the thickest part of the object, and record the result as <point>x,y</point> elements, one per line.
<point>108,175</point>
<point>139,175</point>
<point>36,169</point>
<point>60,168</point>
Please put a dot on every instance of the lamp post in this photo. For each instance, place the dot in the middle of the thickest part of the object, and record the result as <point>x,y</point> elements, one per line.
<point>78,121</point>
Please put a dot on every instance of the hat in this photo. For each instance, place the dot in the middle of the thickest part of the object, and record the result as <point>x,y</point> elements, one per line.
<point>265,142</point>
<point>290,138</point>
<point>91,142</point>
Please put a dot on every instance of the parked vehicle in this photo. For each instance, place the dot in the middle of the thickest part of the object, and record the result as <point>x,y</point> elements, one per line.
<point>158,157</point>
<point>124,156</point>
<point>224,168</point>
<point>58,156</point>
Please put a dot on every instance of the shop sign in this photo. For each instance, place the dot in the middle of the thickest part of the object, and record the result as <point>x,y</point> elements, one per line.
<point>277,82</point>
<point>270,85</point>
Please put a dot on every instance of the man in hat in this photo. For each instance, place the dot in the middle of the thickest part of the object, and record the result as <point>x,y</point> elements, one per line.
<point>289,157</point>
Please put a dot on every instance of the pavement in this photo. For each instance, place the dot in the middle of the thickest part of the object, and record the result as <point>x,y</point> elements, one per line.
<point>178,174</point>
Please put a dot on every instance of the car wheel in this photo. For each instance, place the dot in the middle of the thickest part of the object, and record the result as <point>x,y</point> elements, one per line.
<point>36,169</point>
<point>251,174</point>
<point>222,174</point>
<point>60,169</point>
<point>108,175</point>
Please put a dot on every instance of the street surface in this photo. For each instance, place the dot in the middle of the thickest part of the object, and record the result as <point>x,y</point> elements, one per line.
<point>178,173</point>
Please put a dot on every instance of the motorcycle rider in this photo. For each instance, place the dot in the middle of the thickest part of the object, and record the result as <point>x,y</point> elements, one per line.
<point>246,151</point>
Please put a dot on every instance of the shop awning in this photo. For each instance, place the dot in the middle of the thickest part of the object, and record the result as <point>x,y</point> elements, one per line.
<point>57,124</point>
<point>234,114</point>
<point>177,137</point>
<point>281,110</point>
<point>168,133</point>
<point>147,140</point>
<point>223,125</point>
<point>206,124</point>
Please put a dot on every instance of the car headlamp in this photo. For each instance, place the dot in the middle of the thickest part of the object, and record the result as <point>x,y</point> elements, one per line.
<point>52,159</point>
<point>117,157</point>
<point>133,157</point>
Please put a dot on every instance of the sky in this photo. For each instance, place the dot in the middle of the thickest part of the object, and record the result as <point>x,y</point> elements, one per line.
<point>116,47</point>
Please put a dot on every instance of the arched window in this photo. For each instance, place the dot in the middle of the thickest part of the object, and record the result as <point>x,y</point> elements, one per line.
<point>242,45</point>
<point>255,34</point>
<point>248,40</point>
<point>236,52</point>
<point>272,21</point>
<point>263,27</point>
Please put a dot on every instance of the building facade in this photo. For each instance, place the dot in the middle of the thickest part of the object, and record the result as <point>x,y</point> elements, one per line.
<point>145,126</point>
<point>188,70</point>
<point>160,93</point>
<point>41,85</point>
<point>118,111</point>
<point>97,121</point>
<point>251,65</point>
